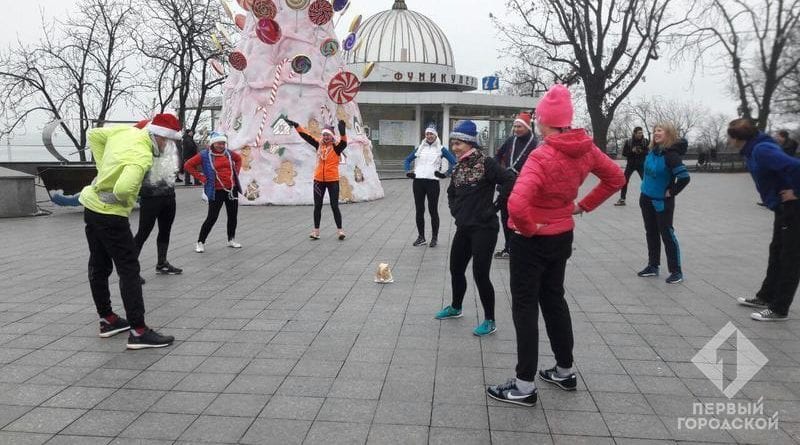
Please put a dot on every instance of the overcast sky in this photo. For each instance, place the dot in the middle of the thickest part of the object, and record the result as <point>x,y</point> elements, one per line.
<point>473,37</point>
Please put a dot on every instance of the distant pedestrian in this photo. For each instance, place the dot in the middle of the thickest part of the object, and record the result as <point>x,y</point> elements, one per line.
<point>788,144</point>
<point>217,168</point>
<point>512,156</point>
<point>432,162</point>
<point>540,211</point>
<point>189,149</point>
<point>470,197</point>
<point>635,151</point>
<point>777,179</point>
<point>664,177</point>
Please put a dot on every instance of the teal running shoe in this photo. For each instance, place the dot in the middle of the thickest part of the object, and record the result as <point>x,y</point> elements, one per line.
<point>448,312</point>
<point>485,328</point>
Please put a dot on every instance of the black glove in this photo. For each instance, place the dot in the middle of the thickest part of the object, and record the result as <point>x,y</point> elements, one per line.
<point>439,174</point>
<point>342,128</point>
<point>291,122</point>
<point>411,175</point>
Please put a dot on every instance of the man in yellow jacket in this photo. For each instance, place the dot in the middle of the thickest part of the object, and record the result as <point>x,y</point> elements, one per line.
<point>122,155</point>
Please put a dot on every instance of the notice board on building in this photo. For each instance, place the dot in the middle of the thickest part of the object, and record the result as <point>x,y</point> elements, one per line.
<point>398,132</point>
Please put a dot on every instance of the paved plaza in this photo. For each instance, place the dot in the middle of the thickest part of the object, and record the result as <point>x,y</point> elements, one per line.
<point>290,341</point>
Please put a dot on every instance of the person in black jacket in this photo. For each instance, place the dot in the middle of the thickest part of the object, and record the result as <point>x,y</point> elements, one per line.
<point>635,151</point>
<point>189,149</point>
<point>788,144</point>
<point>470,197</point>
<point>512,156</point>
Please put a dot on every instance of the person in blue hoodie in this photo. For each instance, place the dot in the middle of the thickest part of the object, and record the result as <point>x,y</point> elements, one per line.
<point>432,162</point>
<point>664,177</point>
<point>777,179</point>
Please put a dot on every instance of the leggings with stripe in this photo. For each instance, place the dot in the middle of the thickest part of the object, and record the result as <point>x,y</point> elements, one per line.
<point>657,215</point>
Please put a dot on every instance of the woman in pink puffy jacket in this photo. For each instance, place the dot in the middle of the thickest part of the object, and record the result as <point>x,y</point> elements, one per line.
<point>541,209</point>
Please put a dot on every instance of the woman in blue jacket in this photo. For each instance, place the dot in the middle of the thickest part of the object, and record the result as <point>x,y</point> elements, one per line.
<point>664,177</point>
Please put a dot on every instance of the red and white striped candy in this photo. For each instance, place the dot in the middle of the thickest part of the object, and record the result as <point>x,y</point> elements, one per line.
<point>343,87</point>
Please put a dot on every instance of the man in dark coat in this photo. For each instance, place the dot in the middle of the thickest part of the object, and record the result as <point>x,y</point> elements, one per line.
<point>635,151</point>
<point>189,149</point>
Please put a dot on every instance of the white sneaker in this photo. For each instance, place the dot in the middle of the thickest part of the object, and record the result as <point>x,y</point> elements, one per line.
<point>234,244</point>
<point>199,247</point>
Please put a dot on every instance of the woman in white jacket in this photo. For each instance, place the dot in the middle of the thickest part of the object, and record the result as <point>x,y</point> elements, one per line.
<point>432,162</point>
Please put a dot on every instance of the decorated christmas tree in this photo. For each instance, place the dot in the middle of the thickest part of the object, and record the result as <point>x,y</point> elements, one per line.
<point>287,63</point>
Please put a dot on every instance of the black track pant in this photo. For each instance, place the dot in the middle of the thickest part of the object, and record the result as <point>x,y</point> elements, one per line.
<point>538,265</point>
<point>658,228</point>
<point>154,209</point>
<point>221,198</point>
<point>427,188</point>
<point>333,195</point>
<point>630,168</point>
<point>477,245</point>
<point>111,245</point>
<point>783,269</point>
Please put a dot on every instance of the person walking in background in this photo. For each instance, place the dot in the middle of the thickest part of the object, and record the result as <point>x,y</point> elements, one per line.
<point>512,156</point>
<point>635,151</point>
<point>786,143</point>
<point>540,211</point>
<point>217,168</point>
<point>664,177</point>
<point>122,154</point>
<point>470,197</point>
<point>157,204</point>
<point>432,162</point>
<point>189,150</point>
<point>777,179</point>
<point>326,174</point>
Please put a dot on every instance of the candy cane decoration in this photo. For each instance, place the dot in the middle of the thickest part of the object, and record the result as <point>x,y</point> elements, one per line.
<point>273,94</point>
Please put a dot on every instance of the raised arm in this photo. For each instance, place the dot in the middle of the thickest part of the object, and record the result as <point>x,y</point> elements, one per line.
<point>339,147</point>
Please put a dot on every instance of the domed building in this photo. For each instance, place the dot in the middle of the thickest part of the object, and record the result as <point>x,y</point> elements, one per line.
<point>415,83</point>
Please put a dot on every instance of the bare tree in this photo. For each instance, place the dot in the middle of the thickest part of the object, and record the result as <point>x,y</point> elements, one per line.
<point>711,134</point>
<point>76,74</point>
<point>787,98</point>
<point>605,45</point>
<point>754,36</point>
<point>685,116</point>
<point>174,38</point>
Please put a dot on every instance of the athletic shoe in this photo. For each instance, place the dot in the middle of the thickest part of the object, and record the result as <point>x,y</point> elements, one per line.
<point>111,329</point>
<point>508,392</point>
<point>621,202</point>
<point>485,328</point>
<point>649,271</point>
<point>768,315</point>
<point>753,302</point>
<point>233,244</point>
<point>141,281</point>
<point>341,234</point>
<point>502,254</point>
<point>568,383</point>
<point>674,278</point>
<point>199,247</point>
<point>419,242</point>
<point>168,269</point>
<point>434,242</point>
<point>448,312</point>
<point>149,339</point>
<point>314,234</point>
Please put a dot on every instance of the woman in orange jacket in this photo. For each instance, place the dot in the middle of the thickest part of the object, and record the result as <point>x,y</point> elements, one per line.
<point>326,175</point>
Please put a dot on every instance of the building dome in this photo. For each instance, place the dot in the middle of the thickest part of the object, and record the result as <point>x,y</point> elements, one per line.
<point>410,51</point>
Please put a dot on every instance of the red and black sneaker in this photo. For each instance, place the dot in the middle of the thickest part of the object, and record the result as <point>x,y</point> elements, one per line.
<point>113,325</point>
<point>148,338</point>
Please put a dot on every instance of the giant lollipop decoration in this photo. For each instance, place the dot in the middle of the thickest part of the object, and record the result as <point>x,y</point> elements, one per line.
<point>238,61</point>
<point>339,5</point>
<point>349,42</point>
<point>328,48</point>
<point>264,9</point>
<point>268,31</point>
<point>320,12</point>
<point>343,87</point>
<point>245,4</point>
<point>297,5</point>
<point>301,64</point>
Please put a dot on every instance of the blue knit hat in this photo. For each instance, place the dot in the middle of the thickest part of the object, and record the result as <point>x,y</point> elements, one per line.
<point>465,131</point>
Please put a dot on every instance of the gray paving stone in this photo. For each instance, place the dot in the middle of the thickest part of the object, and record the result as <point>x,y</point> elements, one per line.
<point>277,432</point>
<point>239,405</point>
<point>636,426</point>
<point>137,400</point>
<point>397,434</point>
<point>217,429</point>
<point>26,394</point>
<point>516,418</point>
<point>579,423</point>
<point>205,382</point>
<point>459,416</point>
<point>457,436</point>
<point>254,384</point>
<point>403,413</point>
<point>101,423</point>
<point>183,402</point>
<point>347,410</point>
<point>61,439</point>
<point>511,438</point>
<point>329,433</point>
<point>78,397</point>
<point>23,438</point>
<point>45,420</point>
<point>622,403</point>
<point>10,413</point>
<point>161,426</point>
<point>288,407</point>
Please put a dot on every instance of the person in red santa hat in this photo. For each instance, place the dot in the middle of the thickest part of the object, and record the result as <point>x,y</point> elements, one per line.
<point>123,155</point>
<point>540,211</point>
<point>512,156</point>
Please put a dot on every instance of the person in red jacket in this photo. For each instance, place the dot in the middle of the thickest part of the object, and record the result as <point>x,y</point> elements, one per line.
<point>540,211</point>
<point>326,174</point>
<point>218,169</point>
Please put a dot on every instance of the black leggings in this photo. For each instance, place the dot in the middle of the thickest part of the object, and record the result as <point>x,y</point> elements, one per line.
<point>429,188</point>
<point>161,209</point>
<point>478,245</point>
<point>658,228</point>
<point>214,206</point>
<point>333,194</point>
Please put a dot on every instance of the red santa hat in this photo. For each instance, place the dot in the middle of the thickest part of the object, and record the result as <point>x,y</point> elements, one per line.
<point>524,119</point>
<point>328,129</point>
<point>164,125</point>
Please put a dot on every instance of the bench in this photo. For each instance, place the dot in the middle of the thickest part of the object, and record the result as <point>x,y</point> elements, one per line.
<point>721,162</point>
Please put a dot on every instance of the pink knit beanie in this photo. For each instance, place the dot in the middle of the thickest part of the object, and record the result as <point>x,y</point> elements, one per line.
<point>555,108</point>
